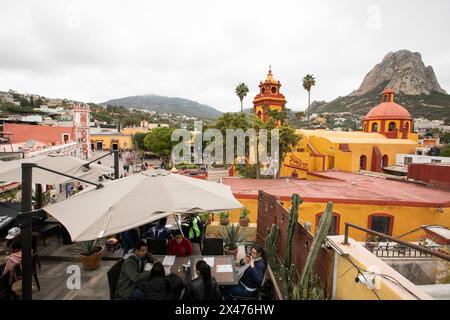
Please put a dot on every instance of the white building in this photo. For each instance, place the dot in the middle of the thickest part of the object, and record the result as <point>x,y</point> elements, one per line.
<point>405,159</point>
<point>422,125</point>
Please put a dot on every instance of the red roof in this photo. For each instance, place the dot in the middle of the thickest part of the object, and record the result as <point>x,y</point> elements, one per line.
<point>344,187</point>
<point>388,110</point>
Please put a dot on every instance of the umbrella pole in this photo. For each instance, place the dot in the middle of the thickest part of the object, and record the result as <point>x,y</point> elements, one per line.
<point>27,171</point>
<point>178,223</point>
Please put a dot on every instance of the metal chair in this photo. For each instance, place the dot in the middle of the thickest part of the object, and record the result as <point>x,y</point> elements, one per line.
<point>35,261</point>
<point>113,276</point>
<point>5,287</point>
<point>257,296</point>
<point>212,246</point>
<point>157,246</point>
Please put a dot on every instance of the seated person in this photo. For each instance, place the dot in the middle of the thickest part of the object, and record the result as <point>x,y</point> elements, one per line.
<point>128,239</point>
<point>13,260</point>
<point>193,227</point>
<point>179,246</point>
<point>13,234</point>
<point>250,275</point>
<point>132,273</point>
<point>161,287</point>
<point>159,231</point>
<point>204,287</point>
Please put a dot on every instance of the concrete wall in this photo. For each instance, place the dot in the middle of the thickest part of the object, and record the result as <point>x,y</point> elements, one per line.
<point>418,271</point>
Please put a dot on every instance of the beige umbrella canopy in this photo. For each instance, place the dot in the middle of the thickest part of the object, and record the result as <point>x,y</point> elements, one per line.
<point>11,171</point>
<point>138,199</point>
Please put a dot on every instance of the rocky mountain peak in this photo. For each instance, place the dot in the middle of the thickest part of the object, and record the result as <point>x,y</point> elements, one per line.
<point>405,73</point>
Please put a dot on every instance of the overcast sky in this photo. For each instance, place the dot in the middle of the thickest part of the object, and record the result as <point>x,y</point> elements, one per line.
<point>201,49</point>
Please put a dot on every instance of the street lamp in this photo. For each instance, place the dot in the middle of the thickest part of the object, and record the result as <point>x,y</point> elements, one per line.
<point>27,213</point>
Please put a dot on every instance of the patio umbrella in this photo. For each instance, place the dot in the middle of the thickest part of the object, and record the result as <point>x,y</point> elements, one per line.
<point>138,199</point>
<point>11,170</point>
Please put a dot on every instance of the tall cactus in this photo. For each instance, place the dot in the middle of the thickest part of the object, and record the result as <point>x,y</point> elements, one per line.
<point>321,233</point>
<point>271,246</point>
<point>293,220</point>
<point>288,267</point>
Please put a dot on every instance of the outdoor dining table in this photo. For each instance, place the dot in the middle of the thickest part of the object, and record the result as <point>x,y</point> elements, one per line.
<point>223,268</point>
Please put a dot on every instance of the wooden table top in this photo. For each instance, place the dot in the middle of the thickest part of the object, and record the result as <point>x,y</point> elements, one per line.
<point>222,278</point>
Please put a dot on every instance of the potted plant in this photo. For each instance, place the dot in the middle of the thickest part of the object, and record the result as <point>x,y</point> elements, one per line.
<point>243,217</point>
<point>233,236</point>
<point>206,218</point>
<point>224,218</point>
<point>90,254</point>
<point>372,242</point>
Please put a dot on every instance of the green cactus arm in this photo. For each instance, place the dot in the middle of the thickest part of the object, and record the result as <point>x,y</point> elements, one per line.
<point>321,233</point>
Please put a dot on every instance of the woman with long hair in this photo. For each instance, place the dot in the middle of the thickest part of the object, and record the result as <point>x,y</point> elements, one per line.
<point>204,287</point>
<point>161,287</point>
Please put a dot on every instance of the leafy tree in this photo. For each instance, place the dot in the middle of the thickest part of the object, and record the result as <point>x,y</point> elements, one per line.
<point>445,137</point>
<point>230,121</point>
<point>241,92</point>
<point>445,151</point>
<point>308,83</point>
<point>299,115</point>
<point>288,138</point>
<point>38,103</point>
<point>24,102</point>
<point>138,140</point>
<point>159,142</point>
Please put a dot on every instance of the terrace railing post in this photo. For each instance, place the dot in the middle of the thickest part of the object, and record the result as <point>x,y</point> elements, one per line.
<point>116,164</point>
<point>27,173</point>
<point>346,233</point>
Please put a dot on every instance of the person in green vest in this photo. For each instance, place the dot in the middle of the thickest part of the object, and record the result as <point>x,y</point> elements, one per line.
<point>193,228</point>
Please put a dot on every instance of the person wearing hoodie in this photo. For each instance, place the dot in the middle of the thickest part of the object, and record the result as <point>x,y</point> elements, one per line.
<point>161,287</point>
<point>132,273</point>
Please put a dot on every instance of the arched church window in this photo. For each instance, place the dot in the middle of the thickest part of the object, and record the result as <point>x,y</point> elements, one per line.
<point>407,126</point>
<point>363,162</point>
<point>259,114</point>
<point>392,126</point>
<point>274,90</point>
<point>263,90</point>
<point>375,127</point>
<point>385,161</point>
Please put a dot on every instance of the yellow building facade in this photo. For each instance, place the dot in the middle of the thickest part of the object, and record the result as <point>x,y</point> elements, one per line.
<point>322,150</point>
<point>404,218</point>
<point>111,141</point>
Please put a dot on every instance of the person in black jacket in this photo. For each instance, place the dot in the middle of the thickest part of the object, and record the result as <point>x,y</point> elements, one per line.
<point>204,287</point>
<point>160,287</point>
<point>250,275</point>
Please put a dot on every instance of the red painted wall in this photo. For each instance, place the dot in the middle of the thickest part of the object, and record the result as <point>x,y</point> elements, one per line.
<point>46,134</point>
<point>438,175</point>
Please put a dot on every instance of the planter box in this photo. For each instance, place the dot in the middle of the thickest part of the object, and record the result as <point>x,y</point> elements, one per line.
<point>212,230</point>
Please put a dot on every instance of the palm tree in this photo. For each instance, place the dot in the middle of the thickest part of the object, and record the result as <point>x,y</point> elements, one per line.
<point>308,83</point>
<point>241,92</point>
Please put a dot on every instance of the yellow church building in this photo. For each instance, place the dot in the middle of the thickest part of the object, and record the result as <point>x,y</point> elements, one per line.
<point>326,166</point>
<point>387,130</point>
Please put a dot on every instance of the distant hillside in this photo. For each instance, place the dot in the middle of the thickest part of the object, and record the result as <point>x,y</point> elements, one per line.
<point>415,85</point>
<point>176,106</point>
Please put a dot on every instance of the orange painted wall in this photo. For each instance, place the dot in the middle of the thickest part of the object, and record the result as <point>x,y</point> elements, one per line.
<point>46,134</point>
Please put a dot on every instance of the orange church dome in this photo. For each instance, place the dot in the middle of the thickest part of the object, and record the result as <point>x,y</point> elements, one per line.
<point>388,109</point>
